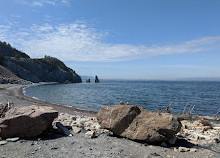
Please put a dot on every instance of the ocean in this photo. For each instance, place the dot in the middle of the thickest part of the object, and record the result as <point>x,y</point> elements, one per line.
<point>204,96</point>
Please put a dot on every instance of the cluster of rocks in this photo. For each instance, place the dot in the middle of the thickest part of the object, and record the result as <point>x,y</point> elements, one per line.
<point>130,121</point>
<point>200,132</point>
<point>96,80</point>
<point>184,149</point>
<point>78,123</point>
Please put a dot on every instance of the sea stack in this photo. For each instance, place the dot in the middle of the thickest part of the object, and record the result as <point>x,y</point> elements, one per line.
<point>96,79</point>
<point>88,81</point>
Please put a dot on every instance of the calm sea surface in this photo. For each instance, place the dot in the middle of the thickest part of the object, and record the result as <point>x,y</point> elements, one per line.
<point>152,95</point>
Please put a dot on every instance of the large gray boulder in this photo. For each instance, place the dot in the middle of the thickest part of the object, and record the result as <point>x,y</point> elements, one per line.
<point>136,123</point>
<point>27,121</point>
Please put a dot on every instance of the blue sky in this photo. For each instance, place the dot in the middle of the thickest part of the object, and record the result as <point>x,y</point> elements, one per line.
<point>124,39</point>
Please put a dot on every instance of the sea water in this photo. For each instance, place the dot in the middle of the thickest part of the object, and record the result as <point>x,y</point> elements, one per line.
<point>204,96</point>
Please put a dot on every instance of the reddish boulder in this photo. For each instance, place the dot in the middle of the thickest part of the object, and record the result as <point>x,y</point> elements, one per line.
<point>136,123</point>
<point>27,121</point>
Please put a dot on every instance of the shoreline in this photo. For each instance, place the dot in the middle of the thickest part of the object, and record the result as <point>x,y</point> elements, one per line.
<point>16,91</point>
<point>62,107</point>
<point>72,110</point>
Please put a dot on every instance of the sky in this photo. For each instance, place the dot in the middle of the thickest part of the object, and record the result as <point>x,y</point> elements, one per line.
<point>119,39</point>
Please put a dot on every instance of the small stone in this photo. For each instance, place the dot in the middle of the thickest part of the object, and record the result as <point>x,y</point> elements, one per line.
<point>97,127</point>
<point>90,134</point>
<point>76,129</point>
<point>3,142</point>
<point>216,140</point>
<point>152,155</point>
<point>193,142</point>
<point>163,144</point>
<point>183,149</point>
<point>193,150</point>
<point>13,139</point>
<point>54,148</point>
<point>97,134</point>
<point>175,150</point>
<point>205,123</point>
<point>74,118</point>
<point>121,103</point>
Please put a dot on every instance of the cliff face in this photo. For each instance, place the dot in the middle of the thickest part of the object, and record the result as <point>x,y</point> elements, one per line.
<point>47,69</point>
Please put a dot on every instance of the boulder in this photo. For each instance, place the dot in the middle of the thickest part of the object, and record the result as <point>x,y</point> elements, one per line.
<point>27,121</point>
<point>136,123</point>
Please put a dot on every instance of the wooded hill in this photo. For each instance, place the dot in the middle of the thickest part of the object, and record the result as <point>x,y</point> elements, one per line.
<point>47,69</point>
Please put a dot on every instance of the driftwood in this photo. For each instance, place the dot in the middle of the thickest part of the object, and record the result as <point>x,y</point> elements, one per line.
<point>217,114</point>
<point>191,109</point>
<point>5,108</point>
<point>168,107</point>
<point>185,108</point>
<point>63,128</point>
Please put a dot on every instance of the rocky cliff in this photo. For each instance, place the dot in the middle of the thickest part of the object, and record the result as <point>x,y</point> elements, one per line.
<point>47,69</point>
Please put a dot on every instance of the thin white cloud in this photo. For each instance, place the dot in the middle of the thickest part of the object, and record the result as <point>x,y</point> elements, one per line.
<point>41,3</point>
<point>79,42</point>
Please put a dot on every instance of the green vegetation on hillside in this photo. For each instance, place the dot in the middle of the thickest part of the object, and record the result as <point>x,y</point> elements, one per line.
<point>8,51</point>
<point>47,69</point>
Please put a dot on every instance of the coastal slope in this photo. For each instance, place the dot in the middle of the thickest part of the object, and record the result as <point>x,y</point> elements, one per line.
<point>47,69</point>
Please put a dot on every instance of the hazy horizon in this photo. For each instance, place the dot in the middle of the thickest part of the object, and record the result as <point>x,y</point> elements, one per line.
<point>143,39</point>
<point>84,77</point>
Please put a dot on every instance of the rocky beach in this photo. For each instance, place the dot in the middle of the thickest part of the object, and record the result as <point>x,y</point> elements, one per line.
<point>196,138</point>
<point>109,79</point>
